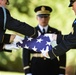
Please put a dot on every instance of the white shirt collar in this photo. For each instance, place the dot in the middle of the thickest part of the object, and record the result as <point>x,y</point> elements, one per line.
<point>41,28</point>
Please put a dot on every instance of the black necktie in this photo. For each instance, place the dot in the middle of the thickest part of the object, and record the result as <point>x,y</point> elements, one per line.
<point>43,31</point>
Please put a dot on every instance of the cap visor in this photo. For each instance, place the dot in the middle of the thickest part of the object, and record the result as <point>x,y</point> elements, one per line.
<point>70,5</point>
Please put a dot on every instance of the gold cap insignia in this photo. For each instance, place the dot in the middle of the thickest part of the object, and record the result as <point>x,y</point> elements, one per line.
<point>42,8</point>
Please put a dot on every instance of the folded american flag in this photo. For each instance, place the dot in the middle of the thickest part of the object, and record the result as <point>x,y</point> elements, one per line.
<point>43,43</point>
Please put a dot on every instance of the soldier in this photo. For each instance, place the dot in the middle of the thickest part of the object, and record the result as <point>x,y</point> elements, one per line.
<point>12,24</point>
<point>68,42</point>
<point>40,65</point>
<point>7,37</point>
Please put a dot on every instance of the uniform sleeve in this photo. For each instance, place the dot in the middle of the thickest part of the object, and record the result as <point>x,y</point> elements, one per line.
<point>4,38</point>
<point>15,25</point>
<point>26,61</point>
<point>1,47</point>
<point>62,58</point>
<point>21,27</point>
<point>1,18</point>
<point>62,63</point>
<point>1,36</point>
<point>66,44</point>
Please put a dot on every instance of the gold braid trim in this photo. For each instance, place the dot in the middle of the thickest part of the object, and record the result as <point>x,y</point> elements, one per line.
<point>62,67</point>
<point>54,53</point>
<point>34,33</point>
<point>26,67</point>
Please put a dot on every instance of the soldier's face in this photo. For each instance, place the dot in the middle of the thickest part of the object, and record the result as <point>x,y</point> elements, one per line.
<point>74,7</point>
<point>43,21</point>
<point>3,2</point>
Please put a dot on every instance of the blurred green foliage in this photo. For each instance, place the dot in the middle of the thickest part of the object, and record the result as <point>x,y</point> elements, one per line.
<point>23,10</point>
<point>10,73</point>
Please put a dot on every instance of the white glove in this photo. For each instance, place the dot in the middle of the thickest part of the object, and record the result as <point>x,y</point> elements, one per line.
<point>53,39</point>
<point>29,74</point>
<point>10,46</point>
<point>18,39</point>
<point>54,43</point>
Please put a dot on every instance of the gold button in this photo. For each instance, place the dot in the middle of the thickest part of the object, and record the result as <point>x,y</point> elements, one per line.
<point>44,58</point>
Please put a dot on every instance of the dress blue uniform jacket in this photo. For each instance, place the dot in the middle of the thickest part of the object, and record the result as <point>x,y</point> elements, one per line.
<point>42,66</point>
